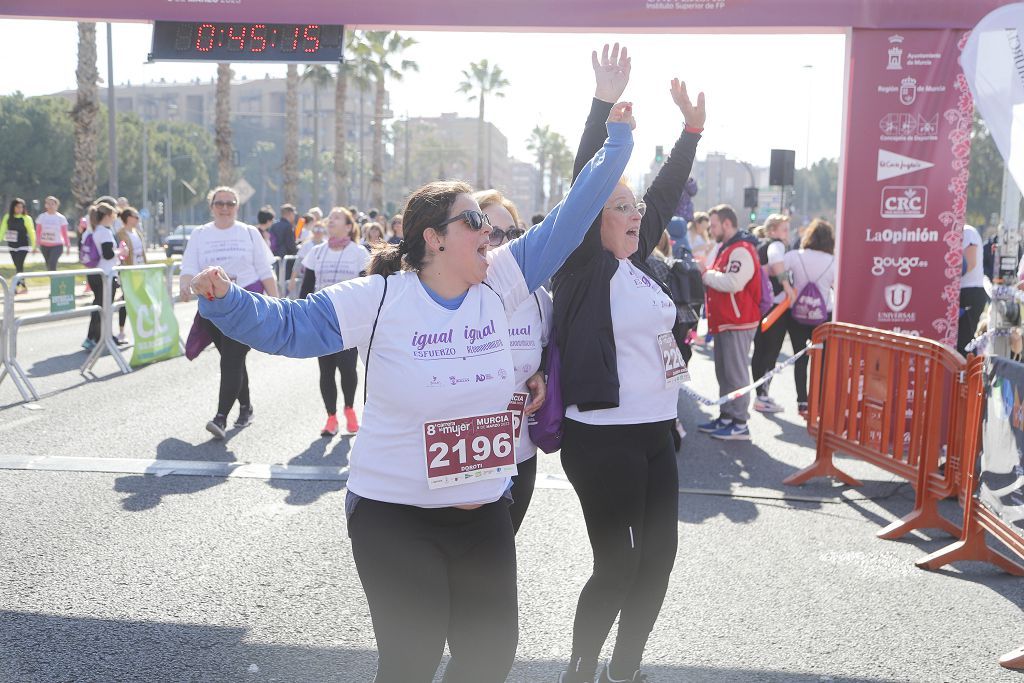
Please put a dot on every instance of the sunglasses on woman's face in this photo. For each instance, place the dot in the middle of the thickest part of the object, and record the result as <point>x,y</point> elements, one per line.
<point>223,204</point>
<point>498,235</point>
<point>475,219</point>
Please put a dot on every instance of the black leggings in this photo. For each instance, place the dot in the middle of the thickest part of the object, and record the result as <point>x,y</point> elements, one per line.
<point>522,490</point>
<point>345,363</point>
<point>96,283</point>
<point>437,574</point>
<point>799,335</point>
<point>973,301</point>
<point>628,485</point>
<point>234,378</point>
<point>52,255</point>
<point>19,260</point>
<point>767,346</point>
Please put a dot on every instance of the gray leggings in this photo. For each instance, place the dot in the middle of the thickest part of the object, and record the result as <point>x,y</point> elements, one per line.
<point>51,255</point>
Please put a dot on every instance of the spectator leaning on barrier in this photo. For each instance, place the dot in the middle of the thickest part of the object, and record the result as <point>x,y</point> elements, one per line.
<point>733,303</point>
<point>19,233</point>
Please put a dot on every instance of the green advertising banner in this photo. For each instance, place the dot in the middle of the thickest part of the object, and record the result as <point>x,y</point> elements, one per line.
<point>151,314</point>
<point>62,293</point>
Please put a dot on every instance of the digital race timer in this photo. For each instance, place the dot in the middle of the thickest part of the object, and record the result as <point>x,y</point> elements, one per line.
<point>189,41</point>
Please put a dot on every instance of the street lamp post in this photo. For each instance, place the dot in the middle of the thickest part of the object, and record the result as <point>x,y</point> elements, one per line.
<point>111,114</point>
<point>807,146</point>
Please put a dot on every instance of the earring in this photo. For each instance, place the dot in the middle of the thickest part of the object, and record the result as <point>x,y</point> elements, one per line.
<point>441,248</point>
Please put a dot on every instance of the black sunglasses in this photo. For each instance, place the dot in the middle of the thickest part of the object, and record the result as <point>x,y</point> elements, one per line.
<point>498,235</point>
<point>475,219</point>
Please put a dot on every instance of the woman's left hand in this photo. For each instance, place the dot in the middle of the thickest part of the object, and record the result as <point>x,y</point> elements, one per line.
<point>538,392</point>
<point>694,116</point>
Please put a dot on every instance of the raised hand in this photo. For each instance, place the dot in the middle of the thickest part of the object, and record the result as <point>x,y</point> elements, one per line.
<point>611,72</point>
<point>211,283</point>
<point>693,115</point>
<point>622,112</point>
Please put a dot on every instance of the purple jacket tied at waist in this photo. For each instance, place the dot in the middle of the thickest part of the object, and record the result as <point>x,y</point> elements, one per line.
<point>199,336</point>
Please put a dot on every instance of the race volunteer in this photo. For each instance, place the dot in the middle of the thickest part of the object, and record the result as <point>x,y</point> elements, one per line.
<point>620,368</point>
<point>529,329</point>
<point>431,534</point>
<point>52,232</point>
<point>240,251</point>
<point>338,259</point>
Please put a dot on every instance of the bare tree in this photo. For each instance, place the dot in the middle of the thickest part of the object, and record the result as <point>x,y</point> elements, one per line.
<point>290,168</point>
<point>222,127</point>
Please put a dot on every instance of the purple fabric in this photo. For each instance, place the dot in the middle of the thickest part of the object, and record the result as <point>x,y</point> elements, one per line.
<point>546,424</point>
<point>199,337</point>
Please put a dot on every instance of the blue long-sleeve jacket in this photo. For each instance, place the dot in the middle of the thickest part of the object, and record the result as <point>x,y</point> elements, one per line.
<point>309,327</point>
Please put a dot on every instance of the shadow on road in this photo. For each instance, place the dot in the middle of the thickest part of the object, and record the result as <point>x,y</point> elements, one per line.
<point>145,492</point>
<point>322,452</point>
<point>40,647</point>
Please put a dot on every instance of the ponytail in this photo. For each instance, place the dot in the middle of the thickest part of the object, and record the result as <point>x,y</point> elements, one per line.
<point>385,259</point>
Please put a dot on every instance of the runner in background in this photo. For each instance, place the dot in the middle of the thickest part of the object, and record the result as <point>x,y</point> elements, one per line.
<point>373,235</point>
<point>437,563</point>
<point>19,234</point>
<point>52,233</point>
<point>240,251</point>
<point>395,227</point>
<point>317,234</point>
<point>135,255</point>
<point>335,260</point>
<point>529,333</point>
<point>264,219</point>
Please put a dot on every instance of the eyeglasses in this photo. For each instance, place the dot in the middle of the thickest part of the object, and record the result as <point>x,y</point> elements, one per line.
<point>475,219</point>
<point>627,209</point>
<point>498,235</point>
<point>221,204</point>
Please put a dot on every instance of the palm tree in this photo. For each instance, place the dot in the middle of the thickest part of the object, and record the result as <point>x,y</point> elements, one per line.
<point>480,80</point>
<point>290,167</point>
<point>84,113</point>
<point>539,143</point>
<point>320,77</point>
<point>222,126</point>
<point>560,160</point>
<point>380,46</point>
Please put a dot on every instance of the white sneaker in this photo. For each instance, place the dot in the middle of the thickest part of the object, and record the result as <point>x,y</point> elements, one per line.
<point>766,404</point>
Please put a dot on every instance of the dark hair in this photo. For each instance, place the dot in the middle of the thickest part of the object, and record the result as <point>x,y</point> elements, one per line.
<point>373,213</point>
<point>14,203</point>
<point>265,215</point>
<point>726,213</point>
<point>537,218</point>
<point>427,208</point>
<point>128,212</point>
<point>819,236</point>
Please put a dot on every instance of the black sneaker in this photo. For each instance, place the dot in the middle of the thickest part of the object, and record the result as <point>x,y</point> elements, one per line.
<point>218,426</point>
<point>244,416</point>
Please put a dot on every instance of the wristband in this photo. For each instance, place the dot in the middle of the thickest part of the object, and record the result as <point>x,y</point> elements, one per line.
<point>693,129</point>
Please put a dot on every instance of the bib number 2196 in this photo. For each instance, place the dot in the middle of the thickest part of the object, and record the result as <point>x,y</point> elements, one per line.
<point>469,449</point>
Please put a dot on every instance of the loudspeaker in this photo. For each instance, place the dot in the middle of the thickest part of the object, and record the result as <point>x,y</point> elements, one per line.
<point>781,171</point>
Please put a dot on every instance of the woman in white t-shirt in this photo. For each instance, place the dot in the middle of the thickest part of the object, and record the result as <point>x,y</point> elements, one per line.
<point>317,232</point>
<point>242,253</point>
<point>135,253</point>
<point>52,232</point>
<point>529,331</point>
<point>335,260</point>
<point>701,243</point>
<point>101,234</point>
<point>428,521</point>
<point>812,262</point>
<point>768,344</point>
<point>973,297</point>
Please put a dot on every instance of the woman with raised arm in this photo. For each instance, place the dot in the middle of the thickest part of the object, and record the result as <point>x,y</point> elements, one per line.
<point>427,514</point>
<point>619,338</point>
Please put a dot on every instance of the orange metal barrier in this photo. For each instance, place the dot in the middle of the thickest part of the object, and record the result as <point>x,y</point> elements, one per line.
<point>895,401</point>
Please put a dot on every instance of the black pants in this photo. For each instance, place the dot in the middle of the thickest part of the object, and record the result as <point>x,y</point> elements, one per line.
<point>19,260</point>
<point>973,300</point>
<point>799,335</point>
<point>234,378</point>
<point>628,485</point>
<point>52,255</point>
<point>437,574</point>
<point>345,363</point>
<point>767,346</point>
<point>96,284</point>
<point>522,490</point>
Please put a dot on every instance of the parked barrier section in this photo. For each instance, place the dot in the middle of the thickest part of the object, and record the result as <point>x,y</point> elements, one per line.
<point>895,401</point>
<point>10,364</point>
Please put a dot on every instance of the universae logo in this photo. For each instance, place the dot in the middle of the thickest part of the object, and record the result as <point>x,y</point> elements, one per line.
<point>897,297</point>
<point>904,201</point>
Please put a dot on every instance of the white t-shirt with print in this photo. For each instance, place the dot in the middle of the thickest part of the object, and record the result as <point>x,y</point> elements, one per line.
<point>640,312</point>
<point>810,264</point>
<point>336,265</point>
<point>427,363</point>
<point>138,249</point>
<point>50,233</point>
<point>976,276</point>
<point>240,250</point>
<point>102,234</point>
<point>529,330</point>
<point>776,253</point>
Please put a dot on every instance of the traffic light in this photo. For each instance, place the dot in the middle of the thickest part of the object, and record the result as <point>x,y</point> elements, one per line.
<point>160,209</point>
<point>750,197</point>
<point>753,215</point>
<point>659,154</point>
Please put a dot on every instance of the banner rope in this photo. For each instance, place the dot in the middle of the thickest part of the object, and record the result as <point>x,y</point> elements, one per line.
<point>732,395</point>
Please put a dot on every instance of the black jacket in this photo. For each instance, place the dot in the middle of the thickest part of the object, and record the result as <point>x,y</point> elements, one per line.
<point>582,286</point>
<point>284,238</point>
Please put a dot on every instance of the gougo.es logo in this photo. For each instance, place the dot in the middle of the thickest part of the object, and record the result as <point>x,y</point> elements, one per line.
<point>902,264</point>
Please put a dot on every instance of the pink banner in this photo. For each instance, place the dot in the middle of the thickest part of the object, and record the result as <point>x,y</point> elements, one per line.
<point>904,188</point>
<point>660,15</point>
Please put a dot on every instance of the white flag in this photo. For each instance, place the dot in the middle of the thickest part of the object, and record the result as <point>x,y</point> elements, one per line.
<point>993,62</point>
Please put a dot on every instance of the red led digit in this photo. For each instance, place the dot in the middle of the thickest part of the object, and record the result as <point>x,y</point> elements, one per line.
<point>258,38</point>
<point>239,40</point>
<point>206,34</point>
<point>312,33</point>
<point>295,40</point>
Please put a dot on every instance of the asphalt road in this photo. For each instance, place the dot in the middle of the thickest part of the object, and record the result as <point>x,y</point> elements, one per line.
<point>122,576</point>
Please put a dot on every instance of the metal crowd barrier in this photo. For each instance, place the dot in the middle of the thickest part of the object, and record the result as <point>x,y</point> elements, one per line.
<point>10,364</point>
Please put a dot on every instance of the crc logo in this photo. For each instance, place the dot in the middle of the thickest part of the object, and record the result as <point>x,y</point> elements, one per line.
<point>908,90</point>
<point>897,297</point>
<point>904,201</point>
<point>902,264</point>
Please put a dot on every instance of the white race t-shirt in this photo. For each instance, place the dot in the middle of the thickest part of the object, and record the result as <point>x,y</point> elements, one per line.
<point>50,233</point>
<point>138,249</point>
<point>976,276</point>
<point>811,264</point>
<point>640,312</point>
<point>240,250</point>
<point>529,330</point>
<point>427,363</point>
<point>102,234</point>
<point>336,265</point>
<point>776,252</point>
